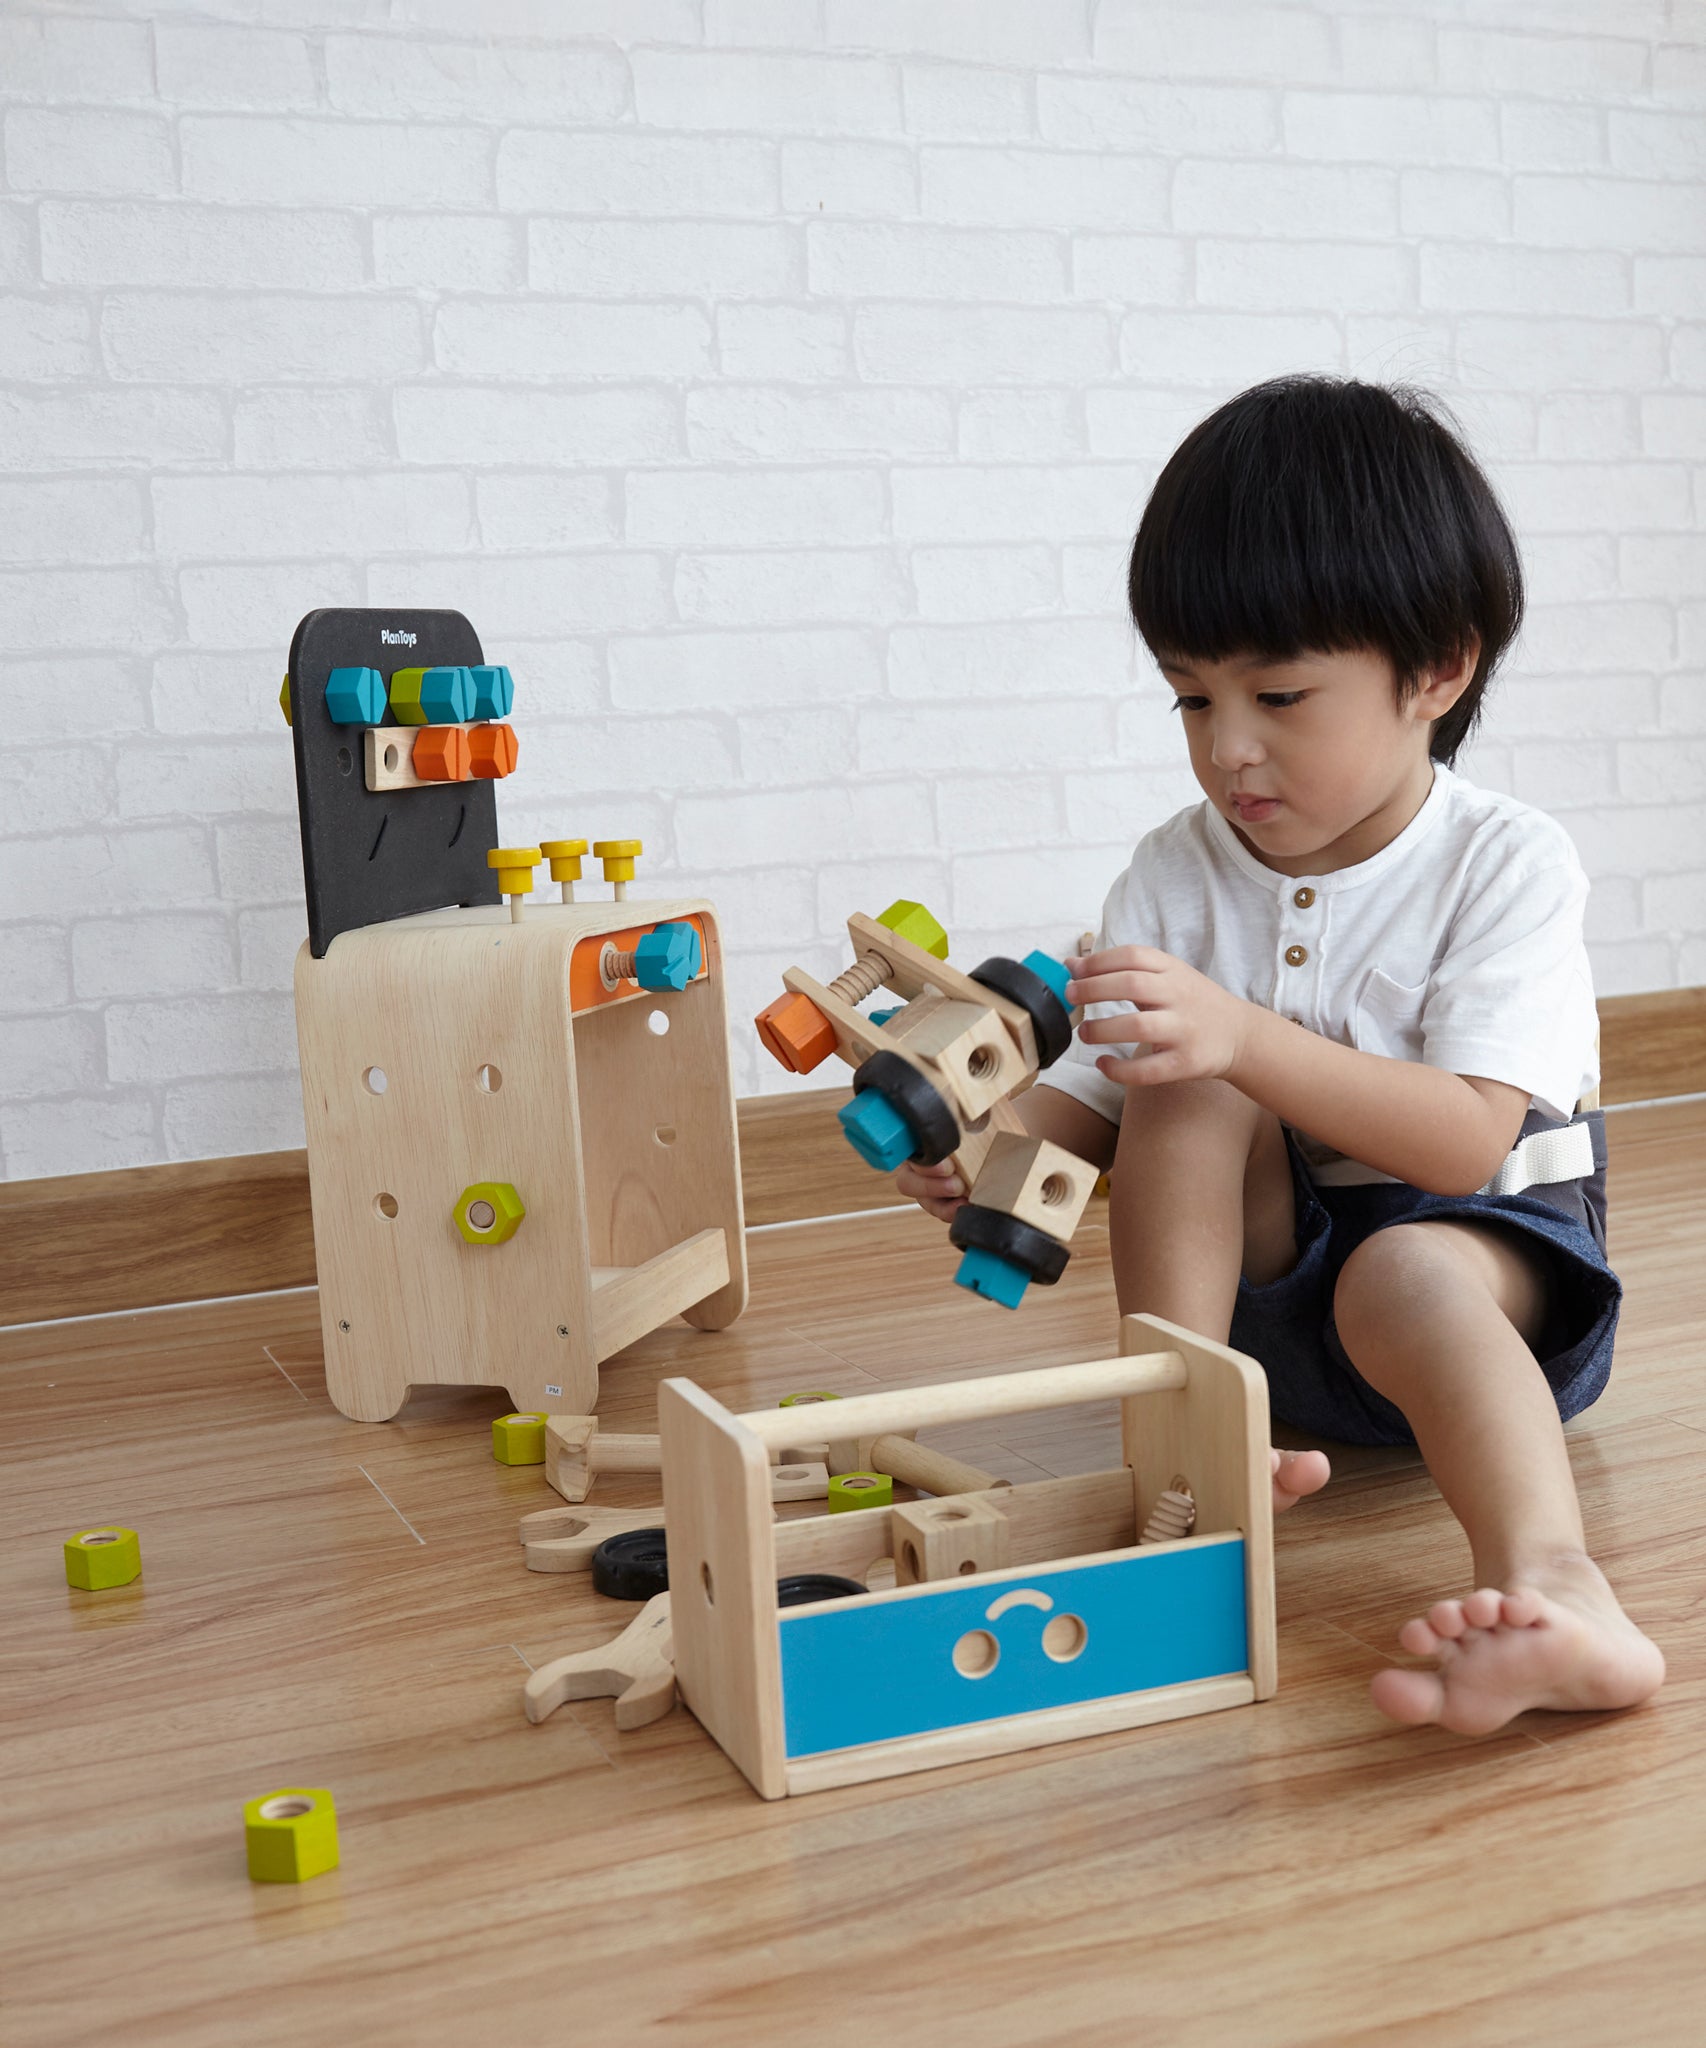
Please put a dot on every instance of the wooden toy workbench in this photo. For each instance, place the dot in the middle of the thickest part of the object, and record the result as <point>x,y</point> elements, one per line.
<point>1081,1631</point>
<point>456,1051</point>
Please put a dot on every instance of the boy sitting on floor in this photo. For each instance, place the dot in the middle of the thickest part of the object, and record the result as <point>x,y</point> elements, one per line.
<point>1342,1121</point>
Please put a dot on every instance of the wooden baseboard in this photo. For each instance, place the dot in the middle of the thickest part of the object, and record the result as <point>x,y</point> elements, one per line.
<point>93,1243</point>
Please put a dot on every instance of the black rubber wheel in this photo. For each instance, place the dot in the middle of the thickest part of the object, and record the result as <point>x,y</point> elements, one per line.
<point>1050,1018</point>
<point>805,1587</point>
<point>632,1566</point>
<point>1040,1257</point>
<point>928,1117</point>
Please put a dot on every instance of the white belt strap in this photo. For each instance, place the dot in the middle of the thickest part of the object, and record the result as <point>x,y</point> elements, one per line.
<point>1565,1153</point>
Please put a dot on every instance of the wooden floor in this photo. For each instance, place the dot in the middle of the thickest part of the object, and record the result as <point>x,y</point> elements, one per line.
<point>330,1603</point>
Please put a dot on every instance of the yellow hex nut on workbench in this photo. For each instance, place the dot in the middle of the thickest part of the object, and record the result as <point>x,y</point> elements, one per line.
<point>849,1490</point>
<point>519,1439</point>
<point>489,1212</point>
<point>291,1835</point>
<point>100,1558</point>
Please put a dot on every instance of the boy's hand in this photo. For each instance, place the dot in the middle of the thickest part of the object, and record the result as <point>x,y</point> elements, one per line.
<point>938,1190</point>
<point>1194,1029</point>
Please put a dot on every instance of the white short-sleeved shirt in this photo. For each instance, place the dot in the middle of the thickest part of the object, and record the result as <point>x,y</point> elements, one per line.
<point>1459,944</point>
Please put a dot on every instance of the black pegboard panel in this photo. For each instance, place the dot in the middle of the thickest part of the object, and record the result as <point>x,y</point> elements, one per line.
<point>368,855</point>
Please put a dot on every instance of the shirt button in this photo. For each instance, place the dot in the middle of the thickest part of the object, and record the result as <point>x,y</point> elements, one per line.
<point>1296,955</point>
<point>1303,898</point>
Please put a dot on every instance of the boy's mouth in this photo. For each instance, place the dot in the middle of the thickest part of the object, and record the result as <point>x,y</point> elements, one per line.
<point>1253,810</point>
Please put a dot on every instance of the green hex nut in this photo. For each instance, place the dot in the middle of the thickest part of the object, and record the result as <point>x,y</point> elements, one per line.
<point>489,1212</point>
<point>913,922</point>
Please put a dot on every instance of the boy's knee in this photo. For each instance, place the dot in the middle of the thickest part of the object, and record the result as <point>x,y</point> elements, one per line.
<point>1190,1106</point>
<point>1388,1285</point>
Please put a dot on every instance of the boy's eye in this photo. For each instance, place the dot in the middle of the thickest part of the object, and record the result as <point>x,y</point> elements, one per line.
<point>1182,703</point>
<point>1277,700</point>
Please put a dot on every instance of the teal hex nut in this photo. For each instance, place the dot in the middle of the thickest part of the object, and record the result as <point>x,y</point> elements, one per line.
<point>432,696</point>
<point>1047,968</point>
<point>877,1131</point>
<point>995,1278</point>
<point>668,956</point>
<point>494,691</point>
<point>356,696</point>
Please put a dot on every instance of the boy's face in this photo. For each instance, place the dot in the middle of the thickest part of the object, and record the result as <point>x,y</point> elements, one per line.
<point>1313,760</point>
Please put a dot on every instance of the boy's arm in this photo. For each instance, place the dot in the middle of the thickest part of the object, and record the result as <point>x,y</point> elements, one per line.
<point>1045,1113</point>
<point>1443,1132</point>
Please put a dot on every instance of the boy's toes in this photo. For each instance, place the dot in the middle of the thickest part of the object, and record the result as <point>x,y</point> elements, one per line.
<point>1296,1473</point>
<point>1408,1696</point>
<point>1420,1640</point>
<point>1522,1608</point>
<point>1446,1618</point>
<point>1485,1608</point>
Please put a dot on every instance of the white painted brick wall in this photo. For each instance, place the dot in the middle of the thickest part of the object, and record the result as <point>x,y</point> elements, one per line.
<point>776,385</point>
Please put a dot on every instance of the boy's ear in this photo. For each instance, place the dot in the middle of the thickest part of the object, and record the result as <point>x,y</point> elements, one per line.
<point>1442,685</point>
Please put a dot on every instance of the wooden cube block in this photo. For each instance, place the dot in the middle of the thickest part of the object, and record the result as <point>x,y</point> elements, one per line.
<point>947,1539</point>
<point>967,1044</point>
<point>1038,1182</point>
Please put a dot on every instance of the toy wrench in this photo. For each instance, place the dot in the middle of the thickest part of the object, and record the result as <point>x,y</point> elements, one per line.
<point>636,1668</point>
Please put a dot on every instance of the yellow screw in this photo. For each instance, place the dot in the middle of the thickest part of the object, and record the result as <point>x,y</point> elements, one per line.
<point>618,856</point>
<point>565,858</point>
<point>515,865</point>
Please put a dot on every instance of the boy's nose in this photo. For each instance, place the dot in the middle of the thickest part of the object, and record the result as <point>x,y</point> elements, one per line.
<point>1234,747</point>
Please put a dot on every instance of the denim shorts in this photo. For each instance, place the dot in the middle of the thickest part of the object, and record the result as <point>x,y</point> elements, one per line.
<point>1287,1326</point>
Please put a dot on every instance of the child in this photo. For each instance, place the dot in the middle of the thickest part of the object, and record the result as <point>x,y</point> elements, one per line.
<point>1341,1124</point>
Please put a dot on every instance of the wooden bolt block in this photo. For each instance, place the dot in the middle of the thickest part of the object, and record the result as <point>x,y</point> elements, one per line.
<point>796,1032</point>
<point>967,1044</point>
<point>1038,1182</point>
<point>799,1481</point>
<point>947,1539</point>
<point>441,754</point>
<point>291,1835</point>
<point>388,758</point>
<point>492,752</point>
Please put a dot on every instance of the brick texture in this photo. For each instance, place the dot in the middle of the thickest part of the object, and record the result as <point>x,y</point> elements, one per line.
<point>777,388</point>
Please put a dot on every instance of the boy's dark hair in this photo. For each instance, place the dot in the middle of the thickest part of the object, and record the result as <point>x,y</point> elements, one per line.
<point>1319,514</point>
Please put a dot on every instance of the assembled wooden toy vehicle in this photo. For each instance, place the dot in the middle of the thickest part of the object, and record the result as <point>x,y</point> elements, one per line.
<point>1035,1616</point>
<point>933,1079</point>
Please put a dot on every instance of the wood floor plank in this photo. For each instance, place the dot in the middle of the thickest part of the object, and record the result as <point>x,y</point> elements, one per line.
<point>326,1602</point>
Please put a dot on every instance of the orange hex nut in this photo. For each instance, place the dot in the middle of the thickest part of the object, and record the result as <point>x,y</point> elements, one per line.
<point>797,1032</point>
<point>492,751</point>
<point>441,753</point>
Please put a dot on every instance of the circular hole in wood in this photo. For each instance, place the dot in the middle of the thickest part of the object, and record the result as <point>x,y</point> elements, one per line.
<point>976,1654</point>
<point>909,1555</point>
<point>481,1215</point>
<point>665,1134</point>
<point>490,1078</point>
<point>951,1515</point>
<point>392,757</point>
<point>968,1565</point>
<point>1056,1188</point>
<point>705,1581</point>
<point>374,1081</point>
<point>286,1809</point>
<point>346,760</point>
<point>983,1063</point>
<point>1064,1637</point>
<point>657,1023</point>
<point>96,1536</point>
<point>790,1471</point>
<point>386,1206</point>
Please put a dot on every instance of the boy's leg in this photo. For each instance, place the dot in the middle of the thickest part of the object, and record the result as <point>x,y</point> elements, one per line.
<point>1438,1317</point>
<point>1201,1192</point>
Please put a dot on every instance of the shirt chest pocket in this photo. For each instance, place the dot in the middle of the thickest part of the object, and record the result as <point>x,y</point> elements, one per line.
<point>1388,1017</point>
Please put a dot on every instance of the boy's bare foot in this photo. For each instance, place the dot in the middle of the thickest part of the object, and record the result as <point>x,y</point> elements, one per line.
<point>1297,1473</point>
<point>1557,1639</point>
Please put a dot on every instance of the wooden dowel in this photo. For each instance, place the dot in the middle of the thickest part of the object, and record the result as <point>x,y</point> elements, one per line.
<point>1014,1393</point>
<point>932,1471</point>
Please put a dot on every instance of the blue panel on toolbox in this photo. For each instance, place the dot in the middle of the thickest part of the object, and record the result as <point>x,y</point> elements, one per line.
<point>875,1669</point>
